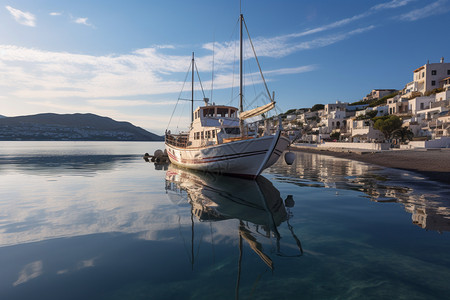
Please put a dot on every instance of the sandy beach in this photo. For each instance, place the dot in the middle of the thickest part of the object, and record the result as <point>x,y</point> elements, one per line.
<point>433,163</point>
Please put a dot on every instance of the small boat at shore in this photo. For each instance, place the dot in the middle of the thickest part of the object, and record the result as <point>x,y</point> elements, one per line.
<point>218,139</point>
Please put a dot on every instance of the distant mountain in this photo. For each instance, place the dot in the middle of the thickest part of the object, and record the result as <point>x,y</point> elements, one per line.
<point>82,127</point>
<point>2,116</point>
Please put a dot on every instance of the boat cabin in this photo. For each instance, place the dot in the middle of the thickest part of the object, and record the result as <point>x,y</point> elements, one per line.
<point>213,124</point>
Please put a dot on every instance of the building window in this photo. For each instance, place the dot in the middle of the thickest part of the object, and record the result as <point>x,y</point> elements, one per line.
<point>203,135</point>
<point>448,72</point>
<point>421,105</point>
<point>213,134</point>
<point>433,83</point>
<point>423,74</point>
<point>433,72</point>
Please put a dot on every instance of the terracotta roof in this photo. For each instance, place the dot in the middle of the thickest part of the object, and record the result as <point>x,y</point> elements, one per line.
<point>418,69</point>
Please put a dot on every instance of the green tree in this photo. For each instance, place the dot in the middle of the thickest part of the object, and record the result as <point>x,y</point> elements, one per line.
<point>317,107</point>
<point>290,111</point>
<point>335,135</point>
<point>368,115</point>
<point>387,125</point>
<point>403,134</point>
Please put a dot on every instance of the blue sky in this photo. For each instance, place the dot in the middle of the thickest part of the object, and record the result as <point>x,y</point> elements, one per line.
<point>128,59</point>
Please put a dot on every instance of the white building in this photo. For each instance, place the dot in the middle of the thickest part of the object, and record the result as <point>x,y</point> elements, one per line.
<point>291,117</point>
<point>443,96</point>
<point>397,105</point>
<point>382,110</point>
<point>420,103</point>
<point>378,93</point>
<point>335,106</point>
<point>429,76</point>
<point>362,130</point>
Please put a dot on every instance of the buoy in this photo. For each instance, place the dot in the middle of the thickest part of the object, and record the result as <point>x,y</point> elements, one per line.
<point>289,201</point>
<point>158,153</point>
<point>289,158</point>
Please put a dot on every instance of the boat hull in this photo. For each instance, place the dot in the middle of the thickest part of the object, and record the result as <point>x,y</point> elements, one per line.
<point>245,158</point>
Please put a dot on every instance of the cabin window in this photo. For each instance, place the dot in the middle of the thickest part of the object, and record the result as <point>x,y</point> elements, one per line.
<point>203,135</point>
<point>222,112</point>
<point>208,112</point>
<point>208,134</point>
<point>232,130</point>
<point>213,134</point>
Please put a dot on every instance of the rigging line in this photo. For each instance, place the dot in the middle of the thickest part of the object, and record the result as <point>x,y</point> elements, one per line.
<point>212,72</point>
<point>201,85</point>
<point>182,88</point>
<point>182,237</point>
<point>234,63</point>
<point>181,115</point>
<point>212,242</point>
<point>238,280</point>
<point>247,65</point>
<point>185,99</point>
<point>257,61</point>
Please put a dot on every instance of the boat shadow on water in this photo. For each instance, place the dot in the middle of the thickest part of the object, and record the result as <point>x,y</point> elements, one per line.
<point>257,204</point>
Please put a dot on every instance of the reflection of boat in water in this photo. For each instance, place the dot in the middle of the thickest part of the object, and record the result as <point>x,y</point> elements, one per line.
<point>214,197</point>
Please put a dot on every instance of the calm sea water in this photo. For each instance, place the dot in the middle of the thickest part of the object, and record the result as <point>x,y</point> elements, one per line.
<point>93,220</point>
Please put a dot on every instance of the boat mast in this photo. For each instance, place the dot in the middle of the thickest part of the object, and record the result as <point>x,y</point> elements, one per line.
<point>192,90</point>
<point>241,105</point>
<point>241,108</point>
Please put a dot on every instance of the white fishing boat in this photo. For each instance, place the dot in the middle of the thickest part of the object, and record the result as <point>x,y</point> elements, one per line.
<point>218,139</point>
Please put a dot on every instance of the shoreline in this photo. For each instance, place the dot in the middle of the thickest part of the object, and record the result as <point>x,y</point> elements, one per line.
<point>433,163</point>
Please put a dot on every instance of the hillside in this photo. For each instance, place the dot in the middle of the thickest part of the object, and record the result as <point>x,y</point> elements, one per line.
<point>83,127</point>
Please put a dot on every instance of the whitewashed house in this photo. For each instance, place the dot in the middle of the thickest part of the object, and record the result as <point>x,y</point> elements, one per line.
<point>363,131</point>
<point>429,76</point>
<point>420,103</point>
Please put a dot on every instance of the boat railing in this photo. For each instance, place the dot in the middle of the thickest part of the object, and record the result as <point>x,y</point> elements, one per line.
<point>177,140</point>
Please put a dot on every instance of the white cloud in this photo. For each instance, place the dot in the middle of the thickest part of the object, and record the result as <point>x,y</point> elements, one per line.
<point>284,45</point>
<point>129,103</point>
<point>55,13</point>
<point>328,40</point>
<point>83,21</point>
<point>392,4</point>
<point>24,18</point>
<point>343,22</point>
<point>297,70</point>
<point>30,271</point>
<point>330,26</point>
<point>435,8</point>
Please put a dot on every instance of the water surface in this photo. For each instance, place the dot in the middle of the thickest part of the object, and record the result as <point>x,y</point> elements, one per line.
<point>93,220</point>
